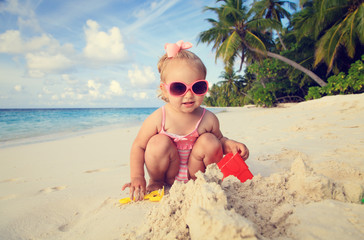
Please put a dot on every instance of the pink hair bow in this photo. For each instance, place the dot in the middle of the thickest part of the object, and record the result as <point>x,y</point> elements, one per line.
<point>173,48</point>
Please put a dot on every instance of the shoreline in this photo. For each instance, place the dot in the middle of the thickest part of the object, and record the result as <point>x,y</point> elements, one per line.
<point>65,134</point>
<point>69,188</point>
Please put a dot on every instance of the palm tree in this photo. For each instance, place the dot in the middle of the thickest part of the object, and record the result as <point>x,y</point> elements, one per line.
<point>347,32</point>
<point>234,34</point>
<point>335,25</point>
<point>273,9</point>
<point>228,92</point>
<point>230,16</point>
<point>230,83</point>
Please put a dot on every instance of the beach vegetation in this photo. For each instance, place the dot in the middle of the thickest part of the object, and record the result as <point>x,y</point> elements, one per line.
<point>308,59</point>
<point>274,83</point>
<point>350,83</point>
<point>228,91</point>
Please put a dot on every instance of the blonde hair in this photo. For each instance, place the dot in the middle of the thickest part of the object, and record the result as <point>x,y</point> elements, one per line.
<point>188,56</point>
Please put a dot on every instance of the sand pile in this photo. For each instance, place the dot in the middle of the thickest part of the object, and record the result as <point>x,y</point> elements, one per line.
<point>262,208</point>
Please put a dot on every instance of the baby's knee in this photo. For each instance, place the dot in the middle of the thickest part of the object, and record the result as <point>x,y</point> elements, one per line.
<point>209,142</point>
<point>207,149</point>
<point>159,144</point>
<point>209,139</point>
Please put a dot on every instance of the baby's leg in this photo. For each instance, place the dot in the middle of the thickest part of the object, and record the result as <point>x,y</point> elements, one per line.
<point>162,161</point>
<point>206,150</point>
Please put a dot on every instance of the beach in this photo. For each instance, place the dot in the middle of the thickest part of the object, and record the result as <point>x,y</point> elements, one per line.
<point>307,160</point>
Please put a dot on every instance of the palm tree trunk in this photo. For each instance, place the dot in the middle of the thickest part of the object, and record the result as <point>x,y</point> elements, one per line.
<point>262,82</point>
<point>242,60</point>
<point>311,74</point>
<point>281,40</point>
<point>297,66</point>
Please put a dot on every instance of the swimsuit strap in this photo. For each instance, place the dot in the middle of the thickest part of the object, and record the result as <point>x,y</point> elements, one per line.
<point>164,119</point>
<point>199,121</point>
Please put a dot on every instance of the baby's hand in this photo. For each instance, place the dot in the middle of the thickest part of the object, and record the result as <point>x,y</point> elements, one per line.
<point>137,188</point>
<point>236,147</point>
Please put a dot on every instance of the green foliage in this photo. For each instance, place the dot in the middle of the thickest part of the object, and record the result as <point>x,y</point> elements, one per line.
<point>274,83</point>
<point>351,83</point>
<point>262,96</point>
<point>269,69</point>
<point>216,98</point>
<point>336,26</point>
<point>324,37</point>
<point>313,93</point>
<point>227,93</point>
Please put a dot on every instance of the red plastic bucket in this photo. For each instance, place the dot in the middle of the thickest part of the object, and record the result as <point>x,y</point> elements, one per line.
<point>236,166</point>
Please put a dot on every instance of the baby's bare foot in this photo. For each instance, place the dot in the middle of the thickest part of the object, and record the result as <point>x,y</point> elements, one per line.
<point>154,185</point>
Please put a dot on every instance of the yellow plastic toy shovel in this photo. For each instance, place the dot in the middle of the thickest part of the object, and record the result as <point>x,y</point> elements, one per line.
<point>154,196</point>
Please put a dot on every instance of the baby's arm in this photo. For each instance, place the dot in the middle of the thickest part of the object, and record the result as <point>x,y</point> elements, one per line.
<point>138,184</point>
<point>228,145</point>
<point>233,146</point>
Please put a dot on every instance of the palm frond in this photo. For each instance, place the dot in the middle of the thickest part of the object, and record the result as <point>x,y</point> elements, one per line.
<point>253,41</point>
<point>264,24</point>
<point>345,33</point>
<point>359,23</point>
<point>229,47</point>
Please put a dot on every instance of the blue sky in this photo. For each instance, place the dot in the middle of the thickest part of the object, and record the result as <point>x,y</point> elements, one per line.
<point>63,53</point>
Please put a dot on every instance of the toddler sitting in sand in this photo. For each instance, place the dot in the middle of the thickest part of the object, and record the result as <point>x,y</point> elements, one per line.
<point>180,138</point>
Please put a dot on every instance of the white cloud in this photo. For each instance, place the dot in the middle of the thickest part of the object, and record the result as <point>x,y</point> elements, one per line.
<point>69,93</point>
<point>153,5</point>
<point>104,91</point>
<point>141,78</point>
<point>140,13</point>
<point>43,53</point>
<point>115,88</point>
<point>93,88</point>
<point>104,46</point>
<point>93,85</point>
<point>66,78</point>
<point>27,19</point>
<point>12,6</point>
<point>39,42</point>
<point>29,23</point>
<point>46,90</point>
<point>18,88</point>
<point>55,97</point>
<point>11,42</point>
<point>41,63</point>
<point>140,96</point>
<point>149,15</point>
<point>143,11</point>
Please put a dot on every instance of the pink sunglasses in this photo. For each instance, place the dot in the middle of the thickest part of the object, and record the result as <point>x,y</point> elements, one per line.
<point>200,87</point>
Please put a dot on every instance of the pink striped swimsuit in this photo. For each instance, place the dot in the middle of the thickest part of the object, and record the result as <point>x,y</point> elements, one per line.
<point>184,146</point>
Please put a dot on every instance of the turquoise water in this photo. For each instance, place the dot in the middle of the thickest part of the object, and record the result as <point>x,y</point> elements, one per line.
<point>21,126</point>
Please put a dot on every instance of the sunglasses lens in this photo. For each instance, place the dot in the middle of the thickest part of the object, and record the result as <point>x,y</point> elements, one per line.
<point>177,88</point>
<point>200,87</point>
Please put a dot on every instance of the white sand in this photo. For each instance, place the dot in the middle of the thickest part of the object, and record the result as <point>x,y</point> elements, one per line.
<point>307,159</point>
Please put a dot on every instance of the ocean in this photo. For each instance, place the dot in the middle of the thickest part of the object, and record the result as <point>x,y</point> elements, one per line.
<point>24,126</point>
